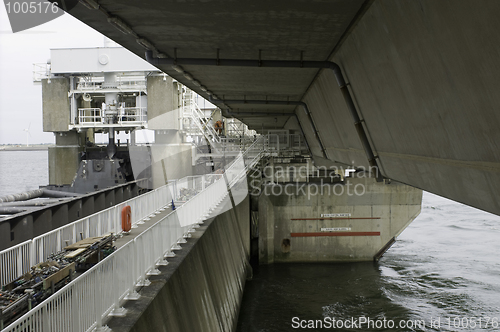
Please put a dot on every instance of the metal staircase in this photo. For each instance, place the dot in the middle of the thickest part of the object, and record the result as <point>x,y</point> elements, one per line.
<point>200,122</point>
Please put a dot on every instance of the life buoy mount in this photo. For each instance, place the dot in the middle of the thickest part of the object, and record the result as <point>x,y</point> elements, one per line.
<point>127,218</point>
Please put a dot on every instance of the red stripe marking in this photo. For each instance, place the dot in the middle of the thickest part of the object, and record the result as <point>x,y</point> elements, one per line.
<point>332,218</point>
<point>335,234</point>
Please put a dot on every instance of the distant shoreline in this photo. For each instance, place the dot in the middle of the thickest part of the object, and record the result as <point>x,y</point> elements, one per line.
<point>34,147</point>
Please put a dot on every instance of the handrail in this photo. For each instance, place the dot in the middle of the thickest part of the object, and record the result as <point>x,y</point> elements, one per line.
<point>41,71</point>
<point>37,249</point>
<point>84,303</point>
<point>96,116</point>
<point>17,260</point>
<point>94,86</point>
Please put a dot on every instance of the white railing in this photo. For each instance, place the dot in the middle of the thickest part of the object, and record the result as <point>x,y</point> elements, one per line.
<point>199,119</point>
<point>89,85</point>
<point>40,72</point>
<point>127,116</point>
<point>246,161</point>
<point>85,303</point>
<point>17,260</point>
<point>90,116</point>
<point>133,114</point>
<point>189,186</point>
<point>286,142</point>
<point>93,86</point>
<point>198,207</point>
<point>234,127</point>
<point>236,144</point>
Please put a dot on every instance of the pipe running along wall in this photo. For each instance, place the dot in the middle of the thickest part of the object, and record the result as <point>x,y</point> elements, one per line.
<point>358,122</point>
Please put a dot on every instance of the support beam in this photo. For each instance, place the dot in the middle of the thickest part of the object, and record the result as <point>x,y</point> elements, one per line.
<point>358,122</point>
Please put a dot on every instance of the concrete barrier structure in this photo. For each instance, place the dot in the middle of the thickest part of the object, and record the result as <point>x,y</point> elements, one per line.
<point>357,220</point>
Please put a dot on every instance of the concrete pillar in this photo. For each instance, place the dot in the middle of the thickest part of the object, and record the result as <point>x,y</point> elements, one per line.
<point>217,116</point>
<point>55,104</point>
<point>90,135</point>
<point>167,137</point>
<point>163,110</point>
<point>170,162</point>
<point>132,138</point>
<point>64,158</point>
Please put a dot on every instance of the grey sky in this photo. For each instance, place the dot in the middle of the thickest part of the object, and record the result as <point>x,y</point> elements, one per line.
<point>20,99</point>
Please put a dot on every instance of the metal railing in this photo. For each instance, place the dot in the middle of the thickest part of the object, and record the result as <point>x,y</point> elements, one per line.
<point>127,116</point>
<point>199,118</point>
<point>287,142</point>
<point>93,86</point>
<point>40,72</point>
<point>237,144</point>
<point>85,303</point>
<point>17,260</point>
<point>190,186</point>
<point>90,116</point>
<point>204,127</point>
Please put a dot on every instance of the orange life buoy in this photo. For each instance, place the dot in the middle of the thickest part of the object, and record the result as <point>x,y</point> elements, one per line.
<point>126,218</point>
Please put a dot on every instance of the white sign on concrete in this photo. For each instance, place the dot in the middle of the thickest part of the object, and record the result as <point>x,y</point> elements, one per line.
<point>335,229</point>
<point>335,215</point>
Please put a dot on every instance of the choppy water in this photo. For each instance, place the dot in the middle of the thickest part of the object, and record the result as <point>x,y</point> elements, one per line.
<point>22,170</point>
<point>445,265</point>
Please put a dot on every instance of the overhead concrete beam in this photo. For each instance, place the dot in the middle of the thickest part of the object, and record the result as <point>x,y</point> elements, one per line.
<point>423,75</point>
<point>425,79</point>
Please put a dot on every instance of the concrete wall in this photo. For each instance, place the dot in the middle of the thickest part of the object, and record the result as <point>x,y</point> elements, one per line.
<point>63,164</point>
<point>160,163</point>
<point>170,162</point>
<point>201,288</point>
<point>387,209</point>
<point>163,103</point>
<point>424,75</point>
<point>55,103</point>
